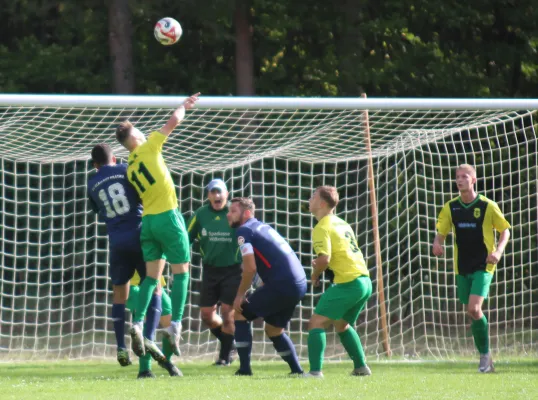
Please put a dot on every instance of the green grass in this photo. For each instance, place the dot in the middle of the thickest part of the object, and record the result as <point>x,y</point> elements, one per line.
<point>516,379</point>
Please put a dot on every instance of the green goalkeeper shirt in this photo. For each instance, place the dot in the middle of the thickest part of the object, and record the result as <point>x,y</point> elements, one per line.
<point>215,236</point>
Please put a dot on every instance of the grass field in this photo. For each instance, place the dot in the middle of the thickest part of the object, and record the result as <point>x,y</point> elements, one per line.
<point>515,379</point>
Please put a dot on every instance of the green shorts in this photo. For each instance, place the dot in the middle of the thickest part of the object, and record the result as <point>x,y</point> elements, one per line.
<point>345,300</point>
<point>132,301</point>
<point>164,236</point>
<point>476,283</point>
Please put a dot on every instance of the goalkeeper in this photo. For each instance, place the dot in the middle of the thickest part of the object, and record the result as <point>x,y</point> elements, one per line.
<point>164,235</point>
<point>221,262</point>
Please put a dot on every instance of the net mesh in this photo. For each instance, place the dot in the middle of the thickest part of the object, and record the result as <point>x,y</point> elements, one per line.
<point>55,294</point>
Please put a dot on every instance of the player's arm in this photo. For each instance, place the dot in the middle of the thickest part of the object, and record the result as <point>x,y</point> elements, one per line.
<point>444,226</point>
<point>502,226</point>
<point>179,115</point>
<point>193,228</point>
<point>249,267</point>
<point>322,249</point>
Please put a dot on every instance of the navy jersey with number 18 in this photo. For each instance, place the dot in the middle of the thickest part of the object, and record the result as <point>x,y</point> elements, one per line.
<point>276,262</point>
<point>115,200</point>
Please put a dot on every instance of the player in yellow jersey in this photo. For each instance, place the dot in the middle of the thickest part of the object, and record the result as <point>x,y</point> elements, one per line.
<point>472,218</point>
<point>336,248</point>
<point>164,235</point>
<point>165,320</point>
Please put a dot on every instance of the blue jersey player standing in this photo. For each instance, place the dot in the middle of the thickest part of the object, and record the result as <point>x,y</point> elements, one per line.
<point>117,203</point>
<point>265,252</point>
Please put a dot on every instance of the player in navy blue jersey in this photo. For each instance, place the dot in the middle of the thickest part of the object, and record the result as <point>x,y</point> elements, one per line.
<point>118,205</point>
<point>266,253</point>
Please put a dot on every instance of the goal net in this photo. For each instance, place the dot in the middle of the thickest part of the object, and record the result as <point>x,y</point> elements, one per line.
<point>55,295</point>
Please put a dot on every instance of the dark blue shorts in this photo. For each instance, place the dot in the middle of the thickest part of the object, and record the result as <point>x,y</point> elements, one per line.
<point>125,258</point>
<point>275,306</point>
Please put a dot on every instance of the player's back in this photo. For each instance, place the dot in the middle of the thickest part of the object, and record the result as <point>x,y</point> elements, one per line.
<point>334,237</point>
<point>276,262</point>
<point>148,173</point>
<point>115,200</point>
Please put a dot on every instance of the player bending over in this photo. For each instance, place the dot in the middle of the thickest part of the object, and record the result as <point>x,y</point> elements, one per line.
<point>265,252</point>
<point>473,218</point>
<point>118,205</point>
<point>164,235</point>
<point>336,247</point>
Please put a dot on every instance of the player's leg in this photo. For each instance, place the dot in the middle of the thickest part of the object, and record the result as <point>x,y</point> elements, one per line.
<point>332,306</point>
<point>252,308</point>
<point>209,297</point>
<point>166,320</point>
<point>346,331</point>
<point>274,328</point>
<point>120,295</point>
<point>154,262</point>
<point>120,273</point>
<point>227,290</point>
<point>144,362</point>
<point>316,342</point>
<point>172,233</point>
<point>481,281</point>
<point>154,266</point>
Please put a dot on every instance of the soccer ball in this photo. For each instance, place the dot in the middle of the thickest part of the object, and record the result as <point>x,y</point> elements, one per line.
<point>167,31</point>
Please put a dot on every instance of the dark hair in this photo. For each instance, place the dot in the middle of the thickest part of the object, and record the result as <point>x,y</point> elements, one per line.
<point>102,154</point>
<point>329,194</point>
<point>245,203</point>
<point>123,131</point>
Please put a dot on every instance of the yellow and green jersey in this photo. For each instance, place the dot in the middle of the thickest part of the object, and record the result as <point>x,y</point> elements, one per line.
<point>333,236</point>
<point>472,225</point>
<point>218,244</point>
<point>135,280</point>
<point>151,178</point>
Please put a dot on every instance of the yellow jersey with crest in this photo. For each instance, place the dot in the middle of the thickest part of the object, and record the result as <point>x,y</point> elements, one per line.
<point>148,173</point>
<point>333,236</point>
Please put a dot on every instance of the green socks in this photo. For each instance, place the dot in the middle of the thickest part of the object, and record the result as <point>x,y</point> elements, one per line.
<point>179,295</point>
<point>317,341</point>
<point>146,292</point>
<point>167,349</point>
<point>480,330</point>
<point>352,343</point>
<point>144,363</point>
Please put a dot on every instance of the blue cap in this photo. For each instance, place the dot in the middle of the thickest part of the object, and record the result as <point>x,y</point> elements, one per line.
<point>217,184</point>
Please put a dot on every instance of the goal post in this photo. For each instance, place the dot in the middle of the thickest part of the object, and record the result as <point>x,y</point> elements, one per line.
<point>396,156</point>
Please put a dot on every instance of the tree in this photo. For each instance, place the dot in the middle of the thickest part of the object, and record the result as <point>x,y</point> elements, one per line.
<point>121,46</point>
<point>244,58</point>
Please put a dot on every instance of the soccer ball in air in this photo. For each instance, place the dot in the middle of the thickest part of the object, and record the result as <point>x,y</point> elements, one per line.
<point>167,31</point>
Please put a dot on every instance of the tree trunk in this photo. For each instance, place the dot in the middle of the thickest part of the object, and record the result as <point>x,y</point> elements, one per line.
<point>348,48</point>
<point>244,58</point>
<point>121,46</point>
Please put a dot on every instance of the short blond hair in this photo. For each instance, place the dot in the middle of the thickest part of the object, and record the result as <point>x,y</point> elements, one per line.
<point>329,195</point>
<point>468,168</point>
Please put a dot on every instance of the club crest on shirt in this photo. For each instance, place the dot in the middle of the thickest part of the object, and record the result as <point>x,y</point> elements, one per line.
<point>477,213</point>
<point>204,232</point>
<point>240,240</point>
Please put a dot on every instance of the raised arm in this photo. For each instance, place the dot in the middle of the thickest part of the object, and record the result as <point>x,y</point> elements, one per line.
<point>179,114</point>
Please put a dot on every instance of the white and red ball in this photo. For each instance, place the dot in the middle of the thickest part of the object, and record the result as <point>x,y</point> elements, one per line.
<point>167,31</point>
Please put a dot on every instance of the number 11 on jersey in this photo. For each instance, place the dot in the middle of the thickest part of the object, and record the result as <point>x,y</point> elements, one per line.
<point>142,170</point>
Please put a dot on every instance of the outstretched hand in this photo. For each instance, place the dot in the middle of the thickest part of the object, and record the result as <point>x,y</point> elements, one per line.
<point>191,101</point>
